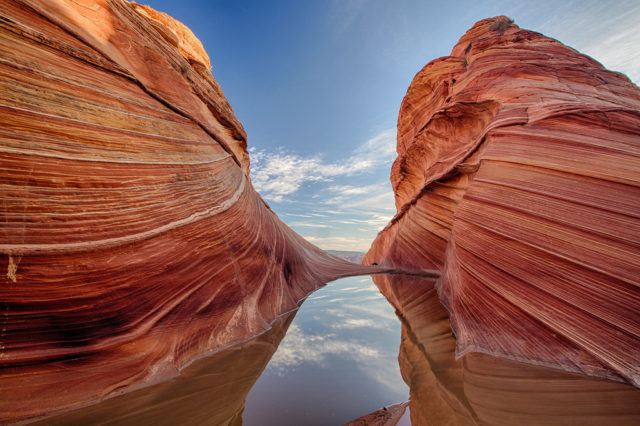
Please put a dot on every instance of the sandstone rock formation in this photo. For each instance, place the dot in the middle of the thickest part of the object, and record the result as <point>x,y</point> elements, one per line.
<point>211,390</point>
<point>386,416</point>
<point>131,238</point>
<point>479,389</point>
<point>517,175</point>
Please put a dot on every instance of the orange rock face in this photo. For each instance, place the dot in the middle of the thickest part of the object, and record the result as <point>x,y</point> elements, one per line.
<point>132,239</point>
<point>517,176</point>
<point>211,390</point>
<point>479,389</point>
<point>386,416</point>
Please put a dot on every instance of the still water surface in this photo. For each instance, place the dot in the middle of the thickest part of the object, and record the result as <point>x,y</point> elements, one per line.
<point>332,361</point>
<point>338,360</point>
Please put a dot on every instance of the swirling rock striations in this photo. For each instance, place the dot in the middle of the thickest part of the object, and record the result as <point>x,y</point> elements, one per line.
<point>517,175</point>
<point>479,389</point>
<point>131,236</point>
<point>211,390</point>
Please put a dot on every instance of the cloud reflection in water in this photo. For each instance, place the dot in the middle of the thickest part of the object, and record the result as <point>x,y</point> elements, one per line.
<point>337,361</point>
<point>299,348</point>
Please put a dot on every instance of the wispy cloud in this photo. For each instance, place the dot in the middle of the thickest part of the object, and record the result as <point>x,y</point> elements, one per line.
<point>340,243</point>
<point>276,175</point>
<point>618,51</point>
<point>363,310</point>
<point>353,323</point>
<point>349,197</point>
<point>606,31</point>
<point>309,224</point>
<point>327,198</point>
<point>348,190</point>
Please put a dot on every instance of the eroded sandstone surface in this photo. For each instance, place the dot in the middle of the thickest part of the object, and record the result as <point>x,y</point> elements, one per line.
<point>132,240</point>
<point>517,176</point>
<point>211,390</point>
<point>481,389</point>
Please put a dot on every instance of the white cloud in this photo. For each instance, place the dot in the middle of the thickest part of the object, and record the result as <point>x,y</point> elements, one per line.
<point>369,309</point>
<point>375,220</point>
<point>279,174</point>
<point>354,323</point>
<point>275,175</point>
<point>381,147</point>
<point>345,190</point>
<point>340,243</point>
<point>378,196</point>
<point>337,213</point>
<point>309,225</point>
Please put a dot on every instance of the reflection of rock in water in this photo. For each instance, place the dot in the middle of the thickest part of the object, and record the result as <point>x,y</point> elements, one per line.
<point>482,389</point>
<point>211,390</point>
<point>386,416</point>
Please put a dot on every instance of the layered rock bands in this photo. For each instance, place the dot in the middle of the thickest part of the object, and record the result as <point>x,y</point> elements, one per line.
<point>517,176</point>
<point>132,240</point>
<point>480,389</point>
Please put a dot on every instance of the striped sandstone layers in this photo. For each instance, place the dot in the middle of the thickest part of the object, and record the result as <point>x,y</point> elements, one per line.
<point>211,390</point>
<point>480,389</point>
<point>132,240</point>
<point>517,176</point>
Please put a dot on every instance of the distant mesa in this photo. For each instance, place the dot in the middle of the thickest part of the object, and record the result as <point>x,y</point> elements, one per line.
<point>351,256</point>
<point>517,176</point>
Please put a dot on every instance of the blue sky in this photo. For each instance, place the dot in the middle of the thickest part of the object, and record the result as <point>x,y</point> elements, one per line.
<point>318,85</point>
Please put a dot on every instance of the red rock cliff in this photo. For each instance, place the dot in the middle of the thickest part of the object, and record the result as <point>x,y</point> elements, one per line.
<point>479,389</point>
<point>517,175</point>
<point>132,240</point>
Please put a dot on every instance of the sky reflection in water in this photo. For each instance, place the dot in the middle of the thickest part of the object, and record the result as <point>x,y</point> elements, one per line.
<point>338,360</point>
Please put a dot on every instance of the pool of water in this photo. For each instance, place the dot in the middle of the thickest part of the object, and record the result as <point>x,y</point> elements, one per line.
<point>332,361</point>
<point>339,357</point>
<point>337,362</point>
